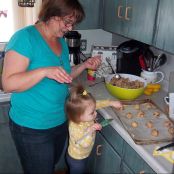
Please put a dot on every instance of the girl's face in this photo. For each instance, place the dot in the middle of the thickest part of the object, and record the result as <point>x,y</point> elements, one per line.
<point>90,112</point>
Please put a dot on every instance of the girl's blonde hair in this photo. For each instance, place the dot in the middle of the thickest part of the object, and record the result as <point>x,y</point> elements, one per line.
<point>77,102</point>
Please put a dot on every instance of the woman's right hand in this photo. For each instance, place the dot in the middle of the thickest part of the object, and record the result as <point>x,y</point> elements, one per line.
<point>58,74</point>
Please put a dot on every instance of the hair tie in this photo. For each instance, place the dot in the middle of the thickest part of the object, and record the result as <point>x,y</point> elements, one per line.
<point>84,92</point>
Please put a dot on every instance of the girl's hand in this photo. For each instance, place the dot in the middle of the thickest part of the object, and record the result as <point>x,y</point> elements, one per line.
<point>96,126</point>
<point>93,62</point>
<point>116,104</point>
<point>58,74</point>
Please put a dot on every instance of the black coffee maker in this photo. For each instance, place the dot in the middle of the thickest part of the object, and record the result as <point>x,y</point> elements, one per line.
<point>128,57</point>
<point>73,40</point>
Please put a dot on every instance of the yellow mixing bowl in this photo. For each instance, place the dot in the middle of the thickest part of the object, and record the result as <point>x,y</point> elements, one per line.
<point>124,93</point>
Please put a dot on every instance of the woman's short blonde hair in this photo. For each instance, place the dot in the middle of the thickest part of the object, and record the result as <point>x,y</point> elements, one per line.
<point>77,102</point>
<point>61,8</point>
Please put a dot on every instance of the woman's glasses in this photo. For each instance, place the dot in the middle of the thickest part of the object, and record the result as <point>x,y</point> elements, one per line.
<point>68,23</point>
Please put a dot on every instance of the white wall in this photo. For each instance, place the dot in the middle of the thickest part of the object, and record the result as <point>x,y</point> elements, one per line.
<point>95,37</point>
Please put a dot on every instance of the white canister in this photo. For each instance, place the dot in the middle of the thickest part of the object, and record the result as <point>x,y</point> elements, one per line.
<point>170,101</point>
<point>152,77</point>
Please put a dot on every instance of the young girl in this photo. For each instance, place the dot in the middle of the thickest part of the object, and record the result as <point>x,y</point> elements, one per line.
<point>81,111</point>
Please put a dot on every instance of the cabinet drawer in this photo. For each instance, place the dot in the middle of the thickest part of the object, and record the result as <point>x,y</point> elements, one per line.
<point>113,138</point>
<point>134,161</point>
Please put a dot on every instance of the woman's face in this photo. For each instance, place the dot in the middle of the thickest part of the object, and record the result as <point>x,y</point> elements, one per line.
<point>90,112</point>
<point>61,25</point>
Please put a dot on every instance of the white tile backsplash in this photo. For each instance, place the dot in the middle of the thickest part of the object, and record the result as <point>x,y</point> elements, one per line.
<point>95,37</point>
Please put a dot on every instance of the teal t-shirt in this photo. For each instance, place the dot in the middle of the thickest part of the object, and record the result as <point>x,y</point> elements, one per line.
<point>42,106</point>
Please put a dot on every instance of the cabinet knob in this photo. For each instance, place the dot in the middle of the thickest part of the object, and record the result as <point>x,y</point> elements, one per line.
<point>127,12</point>
<point>119,11</point>
<point>142,172</point>
<point>98,151</point>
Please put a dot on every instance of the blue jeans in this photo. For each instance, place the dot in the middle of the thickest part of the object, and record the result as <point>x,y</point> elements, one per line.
<point>76,166</point>
<point>39,150</point>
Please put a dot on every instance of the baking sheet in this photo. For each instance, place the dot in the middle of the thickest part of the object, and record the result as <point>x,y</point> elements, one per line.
<point>143,134</point>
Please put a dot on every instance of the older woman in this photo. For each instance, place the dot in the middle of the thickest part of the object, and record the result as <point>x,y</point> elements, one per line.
<point>37,70</point>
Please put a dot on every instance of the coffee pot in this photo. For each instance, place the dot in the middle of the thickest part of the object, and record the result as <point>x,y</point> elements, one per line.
<point>73,41</point>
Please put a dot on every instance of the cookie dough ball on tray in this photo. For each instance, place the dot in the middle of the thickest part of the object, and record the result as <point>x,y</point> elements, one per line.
<point>129,115</point>
<point>156,114</point>
<point>168,123</point>
<point>149,124</point>
<point>155,133</point>
<point>171,131</point>
<point>134,124</point>
<point>140,114</point>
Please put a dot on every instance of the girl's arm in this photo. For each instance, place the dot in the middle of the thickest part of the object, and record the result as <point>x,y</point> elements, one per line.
<point>105,103</point>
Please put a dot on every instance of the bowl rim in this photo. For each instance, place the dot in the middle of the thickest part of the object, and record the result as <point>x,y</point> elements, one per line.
<point>108,78</point>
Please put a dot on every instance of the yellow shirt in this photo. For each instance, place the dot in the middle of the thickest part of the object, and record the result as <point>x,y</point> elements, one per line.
<point>80,140</point>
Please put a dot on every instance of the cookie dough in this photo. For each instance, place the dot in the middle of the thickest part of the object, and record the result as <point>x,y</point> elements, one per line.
<point>167,123</point>
<point>129,115</point>
<point>171,130</point>
<point>149,124</point>
<point>156,114</point>
<point>134,124</point>
<point>140,114</point>
<point>155,132</point>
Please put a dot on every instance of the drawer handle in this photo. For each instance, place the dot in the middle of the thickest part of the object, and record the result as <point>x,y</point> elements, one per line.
<point>119,10</point>
<point>126,13</point>
<point>98,151</point>
<point>142,172</point>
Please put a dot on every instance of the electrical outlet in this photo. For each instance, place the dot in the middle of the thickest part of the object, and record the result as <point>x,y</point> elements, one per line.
<point>83,45</point>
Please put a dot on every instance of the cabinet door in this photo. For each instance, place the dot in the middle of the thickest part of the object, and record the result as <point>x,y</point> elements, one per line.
<point>131,18</point>
<point>164,37</point>
<point>112,136</point>
<point>125,169</point>
<point>140,19</point>
<point>113,16</point>
<point>9,161</point>
<point>134,162</point>
<point>106,159</point>
<point>93,19</point>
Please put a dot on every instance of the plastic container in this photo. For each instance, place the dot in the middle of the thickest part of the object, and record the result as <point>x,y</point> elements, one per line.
<point>91,75</point>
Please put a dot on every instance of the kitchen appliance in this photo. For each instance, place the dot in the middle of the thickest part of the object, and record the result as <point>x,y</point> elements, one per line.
<point>108,56</point>
<point>73,40</point>
<point>128,54</point>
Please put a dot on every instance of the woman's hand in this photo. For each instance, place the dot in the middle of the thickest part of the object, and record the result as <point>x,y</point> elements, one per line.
<point>58,74</point>
<point>93,62</point>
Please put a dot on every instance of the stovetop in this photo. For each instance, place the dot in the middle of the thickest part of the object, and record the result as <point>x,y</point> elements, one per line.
<point>4,96</point>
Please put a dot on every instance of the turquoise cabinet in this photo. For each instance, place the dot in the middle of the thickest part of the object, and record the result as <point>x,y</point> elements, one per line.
<point>93,11</point>
<point>164,37</point>
<point>106,159</point>
<point>9,161</point>
<point>131,18</point>
<point>134,162</point>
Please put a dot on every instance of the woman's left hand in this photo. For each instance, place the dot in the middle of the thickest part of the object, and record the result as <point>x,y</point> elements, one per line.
<point>93,62</point>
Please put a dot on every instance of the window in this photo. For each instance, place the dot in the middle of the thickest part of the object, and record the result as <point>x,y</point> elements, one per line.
<point>13,17</point>
<point>6,20</point>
